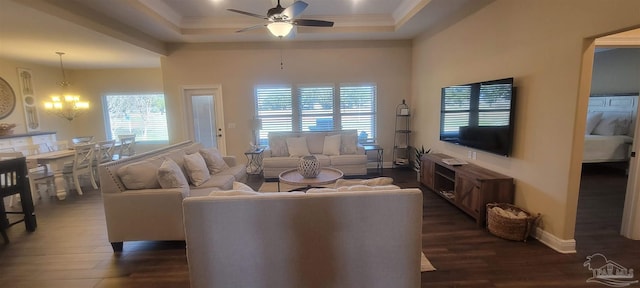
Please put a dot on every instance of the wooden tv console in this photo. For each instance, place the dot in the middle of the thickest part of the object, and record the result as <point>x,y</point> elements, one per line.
<point>468,187</point>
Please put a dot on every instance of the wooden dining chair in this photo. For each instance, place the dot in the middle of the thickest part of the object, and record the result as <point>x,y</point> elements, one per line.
<point>39,175</point>
<point>13,180</point>
<point>81,140</point>
<point>104,154</point>
<point>82,164</point>
<point>127,145</point>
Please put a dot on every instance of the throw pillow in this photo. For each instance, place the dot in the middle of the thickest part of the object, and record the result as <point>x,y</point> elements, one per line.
<point>331,145</point>
<point>170,175</point>
<point>593,118</point>
<point>367,188</point>
<point>242,187</point>
<point>297,147</point>
<point>215,162</point>
<point>349,142</point>
<point>233,193</point>
<point>379,181</point>
<point>196,169</point>
<point>141,174</point>
<point>278,145</point>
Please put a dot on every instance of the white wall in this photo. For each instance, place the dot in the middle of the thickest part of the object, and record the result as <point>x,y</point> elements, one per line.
<point>542,44</point>
<point>239,67</point>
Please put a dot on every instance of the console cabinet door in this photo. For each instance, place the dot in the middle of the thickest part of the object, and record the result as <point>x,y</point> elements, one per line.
<point>468,195</point>
<point>427,168</point>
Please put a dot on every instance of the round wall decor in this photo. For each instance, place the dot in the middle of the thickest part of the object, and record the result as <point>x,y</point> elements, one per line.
<point>7,99</point>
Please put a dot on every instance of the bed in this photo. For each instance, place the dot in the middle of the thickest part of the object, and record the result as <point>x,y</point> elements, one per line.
<point>610,127</point>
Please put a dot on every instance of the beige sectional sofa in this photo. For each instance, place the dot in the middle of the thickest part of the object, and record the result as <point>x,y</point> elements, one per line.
<point>324,239</point>
<point>341,152</point>
<point>138,208</point>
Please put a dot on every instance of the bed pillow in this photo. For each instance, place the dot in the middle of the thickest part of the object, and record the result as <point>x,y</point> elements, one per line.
<point>612,125</point>
<point>196,168</point>
<point>593,118</point>
<point>297,147</point>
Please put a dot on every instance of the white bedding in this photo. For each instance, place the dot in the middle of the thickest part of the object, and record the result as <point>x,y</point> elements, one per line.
<point>598,148</point>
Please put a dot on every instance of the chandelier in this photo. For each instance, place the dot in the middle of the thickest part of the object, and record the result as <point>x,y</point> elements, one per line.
<point>66,106</point>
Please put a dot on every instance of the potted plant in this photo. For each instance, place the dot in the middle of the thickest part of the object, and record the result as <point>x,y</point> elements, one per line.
<point>417,161</point>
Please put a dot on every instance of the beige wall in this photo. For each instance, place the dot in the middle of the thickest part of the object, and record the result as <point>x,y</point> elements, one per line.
<point>541,44</point>
<point>238,68</point>
<point>90,84</point>
<point>45,82</point>
<point>616,71</point>
<point>93,84</point>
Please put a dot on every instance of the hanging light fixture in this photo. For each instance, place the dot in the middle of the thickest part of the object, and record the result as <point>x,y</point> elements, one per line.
<point>280,29</point>
<point>65,105</point>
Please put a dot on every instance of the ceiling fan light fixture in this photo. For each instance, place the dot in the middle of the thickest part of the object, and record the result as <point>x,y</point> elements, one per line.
<point>280,29</point>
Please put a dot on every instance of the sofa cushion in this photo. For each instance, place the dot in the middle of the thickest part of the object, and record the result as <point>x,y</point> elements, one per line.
<point>170,175</point>
<point>315,141</point>
<point>280,162</point>
<point>349,142</point>
<point>196,168</point>
<point>331,145</point>
<point>297,147</point>
<point>222,181</point>
<point>324,160</point>
<point>367,188</point>
<point>354,159</point>
<point>141,174</point>
<point>278,145</point>
<point>215,162</point>
<point>234,193</point>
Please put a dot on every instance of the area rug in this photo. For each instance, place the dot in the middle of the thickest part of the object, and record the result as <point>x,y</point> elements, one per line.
<point>425,264</point>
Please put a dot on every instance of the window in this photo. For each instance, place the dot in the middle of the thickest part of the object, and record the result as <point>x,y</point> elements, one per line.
<point>140,114</point>
<point>317,108</point>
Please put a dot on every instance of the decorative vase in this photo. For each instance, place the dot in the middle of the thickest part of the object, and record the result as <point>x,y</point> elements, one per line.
<point>309,166</point>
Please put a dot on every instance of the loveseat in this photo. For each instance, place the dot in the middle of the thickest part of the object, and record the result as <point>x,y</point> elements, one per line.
<point>293,239</point>
<point>335,149</point>
<point>136,205</point>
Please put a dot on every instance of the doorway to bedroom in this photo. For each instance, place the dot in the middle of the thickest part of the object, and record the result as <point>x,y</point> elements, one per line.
<point>607,200</point>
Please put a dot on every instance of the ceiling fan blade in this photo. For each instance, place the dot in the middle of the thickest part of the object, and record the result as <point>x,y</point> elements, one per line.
<point>248,13</point>
<point>295,9</point>
<point>251,28</point>
<point>314,23</point>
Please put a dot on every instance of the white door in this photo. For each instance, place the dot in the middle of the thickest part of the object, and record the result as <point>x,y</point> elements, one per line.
<point>205,116</point>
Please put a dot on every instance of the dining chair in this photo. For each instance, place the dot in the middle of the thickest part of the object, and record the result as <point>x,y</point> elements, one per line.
<point>13,180</point>
<point>81,140</point>
<point>104,154</point>
<point>58,145</point>
<point>39,175</point>
<point>127,145</point>
<point>82,164</point>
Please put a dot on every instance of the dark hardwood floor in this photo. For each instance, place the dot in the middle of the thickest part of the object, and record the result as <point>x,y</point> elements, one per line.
<point>70,247</point>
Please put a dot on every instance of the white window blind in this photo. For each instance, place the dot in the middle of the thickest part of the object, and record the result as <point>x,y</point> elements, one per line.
<point>358,110</point>
<point>317,108</point>
<point>140,114</point>
<point>274,108</point>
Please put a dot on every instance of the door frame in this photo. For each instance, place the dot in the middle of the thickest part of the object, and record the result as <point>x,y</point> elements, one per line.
<point>216,91</point>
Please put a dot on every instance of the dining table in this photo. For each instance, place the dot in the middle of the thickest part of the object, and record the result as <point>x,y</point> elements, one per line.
<point>55,160</point>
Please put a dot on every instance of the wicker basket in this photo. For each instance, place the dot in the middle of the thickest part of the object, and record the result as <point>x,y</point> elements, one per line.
<point>509,228</point>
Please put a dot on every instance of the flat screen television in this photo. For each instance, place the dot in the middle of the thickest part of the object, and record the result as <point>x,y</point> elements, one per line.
<point>479,115</point>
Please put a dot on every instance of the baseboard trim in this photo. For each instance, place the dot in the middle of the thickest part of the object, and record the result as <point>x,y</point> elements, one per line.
<point>555,243</point>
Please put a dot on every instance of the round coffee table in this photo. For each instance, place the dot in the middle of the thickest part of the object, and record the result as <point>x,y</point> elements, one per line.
<point>293,177</point>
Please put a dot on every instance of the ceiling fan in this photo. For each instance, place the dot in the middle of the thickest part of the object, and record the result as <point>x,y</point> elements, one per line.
<point>281,20</point>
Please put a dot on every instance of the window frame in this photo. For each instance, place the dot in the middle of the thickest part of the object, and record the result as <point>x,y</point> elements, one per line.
<point>107,116</point>
<point>298,112</point>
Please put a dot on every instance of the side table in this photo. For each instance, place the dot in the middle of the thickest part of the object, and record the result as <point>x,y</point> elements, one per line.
<point>254,160</point>
<point>379,155</point>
